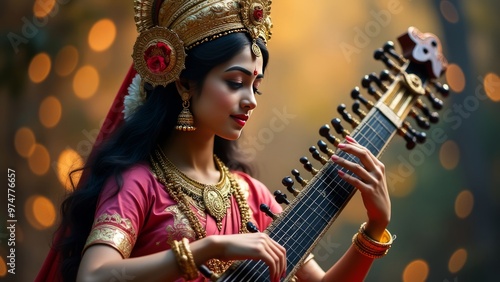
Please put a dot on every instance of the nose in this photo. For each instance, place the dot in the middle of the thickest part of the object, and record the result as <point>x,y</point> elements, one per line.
<point>248,101</point>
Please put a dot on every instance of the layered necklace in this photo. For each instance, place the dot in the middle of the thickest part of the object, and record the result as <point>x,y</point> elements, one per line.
<point>213,199</point>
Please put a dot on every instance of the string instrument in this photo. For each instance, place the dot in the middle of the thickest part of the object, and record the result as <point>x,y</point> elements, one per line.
<point>397,94</point>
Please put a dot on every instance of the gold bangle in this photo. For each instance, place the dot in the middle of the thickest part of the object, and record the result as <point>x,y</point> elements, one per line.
<point>191,270</point>
<point>185,259</point>
<point>308,258</point>
<point>367,250</point>
<point>370,247</point>
<point>386,239</point>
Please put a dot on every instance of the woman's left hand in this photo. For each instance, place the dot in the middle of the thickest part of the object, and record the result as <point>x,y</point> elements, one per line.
<point>369,178</point>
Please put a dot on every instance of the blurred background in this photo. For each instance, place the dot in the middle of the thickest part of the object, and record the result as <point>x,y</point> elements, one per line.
<point>63,61</point>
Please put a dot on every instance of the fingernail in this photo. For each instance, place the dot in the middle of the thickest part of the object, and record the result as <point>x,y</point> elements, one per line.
<point>335,157</point>
<point>341,173</point>
<point>350,139</point>
<point>341,146</point>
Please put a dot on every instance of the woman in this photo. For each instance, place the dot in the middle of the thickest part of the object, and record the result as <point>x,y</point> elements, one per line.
<point>156,199</point>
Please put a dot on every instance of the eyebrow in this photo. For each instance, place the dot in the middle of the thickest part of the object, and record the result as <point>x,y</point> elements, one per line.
<point>243,70</point>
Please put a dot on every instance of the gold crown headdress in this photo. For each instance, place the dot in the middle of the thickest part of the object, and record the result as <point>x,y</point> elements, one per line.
<point>169,27</point>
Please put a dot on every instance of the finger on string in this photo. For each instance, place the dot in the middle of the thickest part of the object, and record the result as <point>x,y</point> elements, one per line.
<point>281,251</point>
<point>356,168</point>
<point>361,153</point>
<point>352,141</point>
<point>279,256</point>
<point>360,185</point>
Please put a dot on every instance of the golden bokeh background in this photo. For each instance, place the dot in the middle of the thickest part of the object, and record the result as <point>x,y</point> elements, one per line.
<point>63,61</point>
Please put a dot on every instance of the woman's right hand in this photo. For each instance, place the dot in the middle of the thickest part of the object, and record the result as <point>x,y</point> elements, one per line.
<point>102,262</point>
<point>254,246</point>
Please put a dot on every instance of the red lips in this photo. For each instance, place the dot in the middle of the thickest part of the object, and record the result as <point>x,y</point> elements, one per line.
<point>240,119</point>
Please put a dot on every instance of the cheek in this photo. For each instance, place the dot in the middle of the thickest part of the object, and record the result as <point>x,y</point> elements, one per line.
<point>217,95</point>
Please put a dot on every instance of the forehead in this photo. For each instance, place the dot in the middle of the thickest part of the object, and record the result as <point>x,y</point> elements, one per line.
<point>244,58</point>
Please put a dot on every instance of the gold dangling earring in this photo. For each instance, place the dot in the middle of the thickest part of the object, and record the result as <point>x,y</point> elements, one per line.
<point>185,119</point>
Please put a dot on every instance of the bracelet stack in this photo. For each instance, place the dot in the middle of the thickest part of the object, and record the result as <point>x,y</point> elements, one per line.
<point>185,259</point>
<point>370,247</point>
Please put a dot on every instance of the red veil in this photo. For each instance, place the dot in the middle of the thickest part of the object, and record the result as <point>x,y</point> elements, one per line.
<point>50,270</point>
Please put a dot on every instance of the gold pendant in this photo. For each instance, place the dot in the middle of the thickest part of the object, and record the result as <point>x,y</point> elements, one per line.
<point>215,204</point>
<point>256,49</point>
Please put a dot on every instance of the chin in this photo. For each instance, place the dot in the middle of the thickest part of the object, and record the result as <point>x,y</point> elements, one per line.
<point>231,136</point>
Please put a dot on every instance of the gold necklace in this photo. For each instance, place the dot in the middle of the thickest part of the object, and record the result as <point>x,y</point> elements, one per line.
<point>215,199</point>
<point>173,187</point>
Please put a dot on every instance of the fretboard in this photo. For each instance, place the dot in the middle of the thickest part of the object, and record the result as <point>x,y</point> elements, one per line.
<point>304,222</point>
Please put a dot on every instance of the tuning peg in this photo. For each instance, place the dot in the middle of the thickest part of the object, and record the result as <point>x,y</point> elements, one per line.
<point>436,102</point>
<point>252,228</point>
<point>317,156</point>
<point>308,166</point>
<point>324,148</point>
<point>288,183</point>
<point>373,77</point>
<point>212,276</point>
<point>346,116</point>
<point>443,89</point>
<point>355,94</point>
<point>356,109</point>
<point>389,48</point>
<point>386,75</point>
<point>409,138</point>
<point>265,208</point>
<point>432,116</point>
<point>422,122</point>
<point>339,128</point>
<point>299,179</point>
<point>380,55</point>
<point>325,132</point>
<point>421,136</point>
<point>280,197</point>
<point>365,82</point>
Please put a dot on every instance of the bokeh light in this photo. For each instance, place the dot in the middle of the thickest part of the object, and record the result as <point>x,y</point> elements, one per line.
<point>39,67</point>
<point>455,78</point>
<point>42,8</point>
<point>416,271</point>
<point>449,155</point>
<point>66,60</point>
<point>86,82</point>
<point>68,161</point>
<point>39,160</point>
<point>464,204</point>
<point>3,267</point>
<point>449,11</point>
<point>492,86</point>
<point>50,112</point>
<point>40,212</point>
<point>457,260</point>
<point>102,35</point>
<point>24,141</point>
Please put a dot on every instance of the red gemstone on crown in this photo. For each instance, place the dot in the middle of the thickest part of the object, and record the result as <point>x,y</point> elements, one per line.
<point>258,13</point>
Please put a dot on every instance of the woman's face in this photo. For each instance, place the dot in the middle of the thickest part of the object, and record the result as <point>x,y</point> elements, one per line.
<point>228,96</point>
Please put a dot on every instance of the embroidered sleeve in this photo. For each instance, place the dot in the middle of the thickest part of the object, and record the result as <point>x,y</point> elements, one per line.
<point>115,231</point>
<point>120,213</point>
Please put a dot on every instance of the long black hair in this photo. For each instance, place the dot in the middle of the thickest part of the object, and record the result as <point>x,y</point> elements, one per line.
<point>136,139</point>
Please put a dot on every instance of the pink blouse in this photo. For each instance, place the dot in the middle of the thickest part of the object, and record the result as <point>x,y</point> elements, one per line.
<point>142,219</point>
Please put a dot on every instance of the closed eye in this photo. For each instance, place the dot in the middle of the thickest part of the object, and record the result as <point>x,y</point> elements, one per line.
<point>234,85</point>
